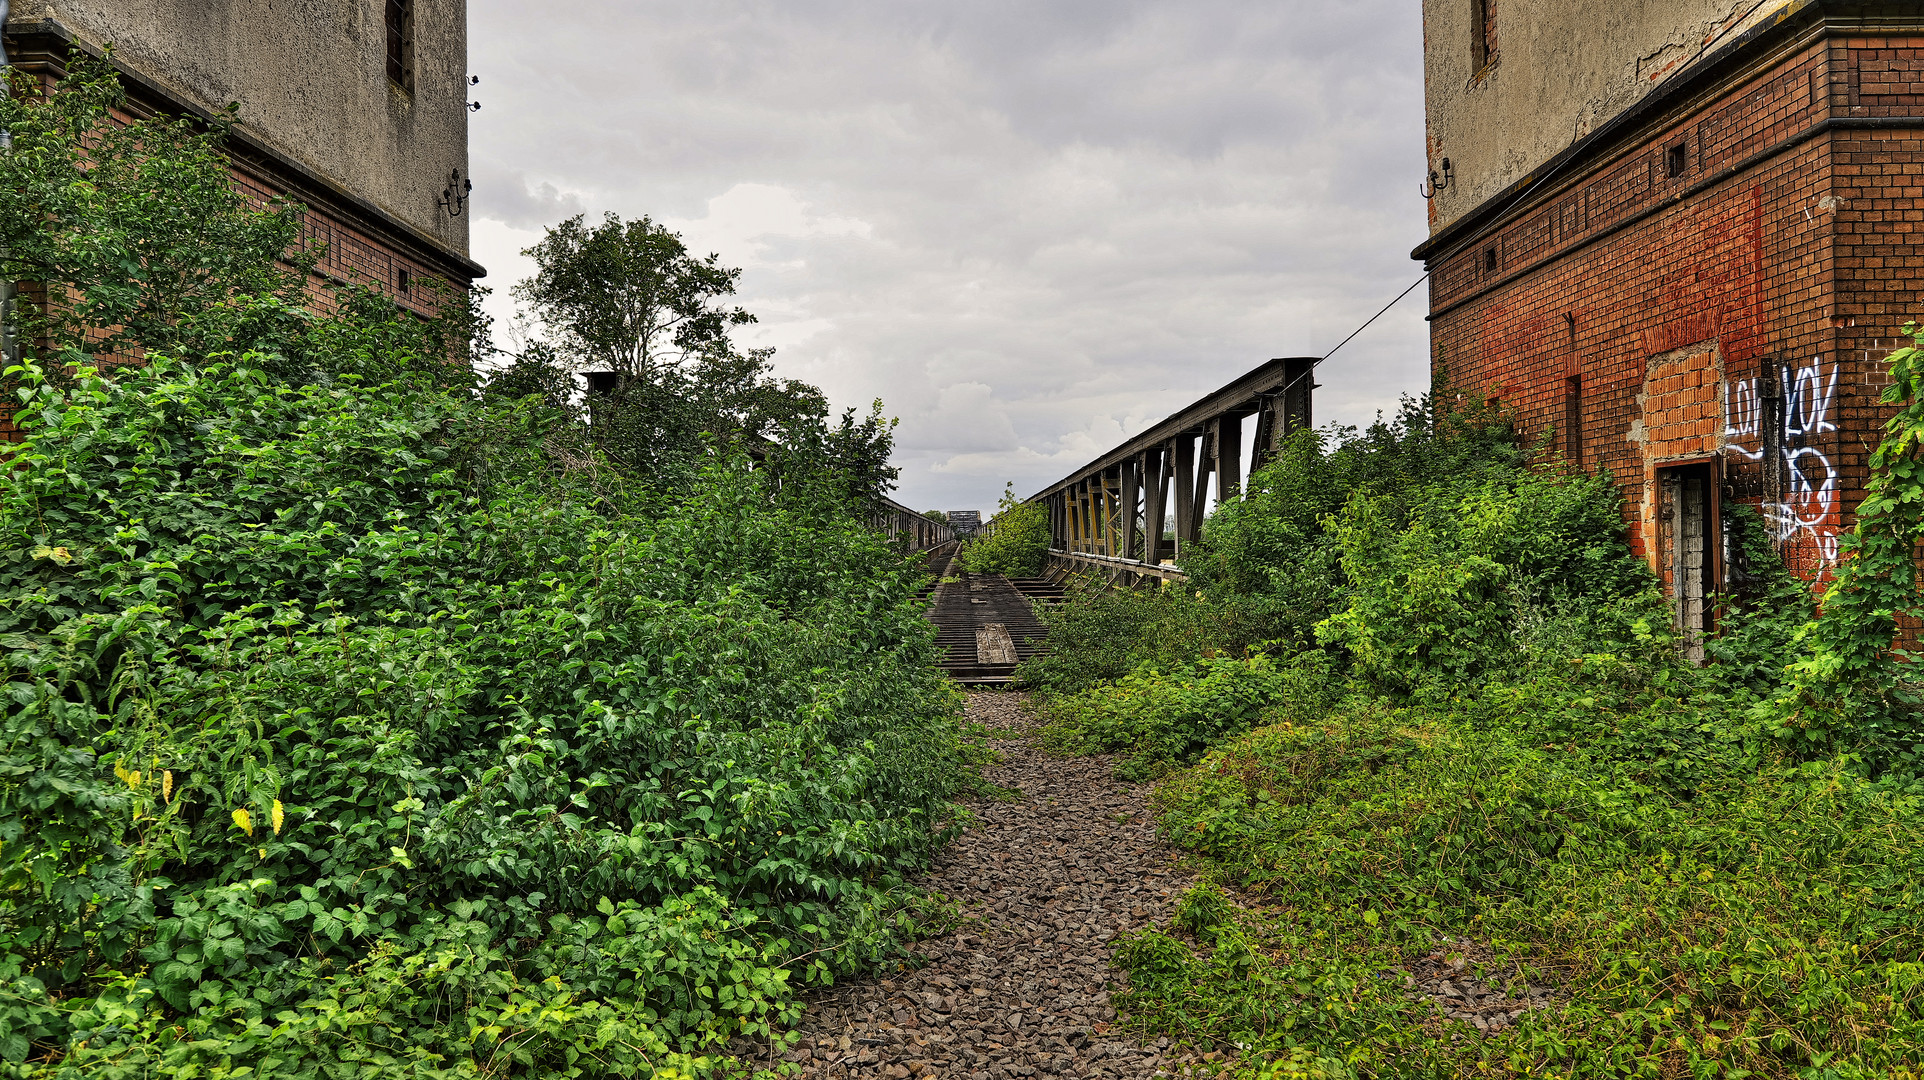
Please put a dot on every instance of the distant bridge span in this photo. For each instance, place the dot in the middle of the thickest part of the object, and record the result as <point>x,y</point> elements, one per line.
<point>1108,516</point>
<point>893,520</point>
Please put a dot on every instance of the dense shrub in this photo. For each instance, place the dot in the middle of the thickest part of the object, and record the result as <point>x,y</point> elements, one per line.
<point>339,697</point>
<point>1449,584</point>
<point>1101,633</point>
<point>1269,567</point>
<point>1016,546</point>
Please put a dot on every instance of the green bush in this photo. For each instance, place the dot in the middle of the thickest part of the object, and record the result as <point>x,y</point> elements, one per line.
<point>1492,750</point>
<point>310,685</point>
<point>1101,633</point>
<point>363,717</point>
<point>1017,546</point>
<point>1451,584</point>
<point>1158,721</point>
<point>1269,566</point>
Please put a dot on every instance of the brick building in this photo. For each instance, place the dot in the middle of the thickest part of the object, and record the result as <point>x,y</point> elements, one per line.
<point>357,109</point>
<point>1682,236</point>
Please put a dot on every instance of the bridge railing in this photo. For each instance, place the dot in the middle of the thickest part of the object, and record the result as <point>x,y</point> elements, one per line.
<point>892,519</point>
<point>1115,507</point>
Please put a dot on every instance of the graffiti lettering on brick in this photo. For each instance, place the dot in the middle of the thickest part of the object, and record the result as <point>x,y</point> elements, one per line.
<point>1805,513</point>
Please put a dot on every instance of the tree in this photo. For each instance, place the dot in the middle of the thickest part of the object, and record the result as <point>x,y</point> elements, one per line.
<point>131,237</point>
<point>936,516</point>
<point>1017,544</point>
<point>626,299</point>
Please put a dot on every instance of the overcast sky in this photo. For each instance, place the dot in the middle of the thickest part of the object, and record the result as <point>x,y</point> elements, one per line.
<point>1031,228</point>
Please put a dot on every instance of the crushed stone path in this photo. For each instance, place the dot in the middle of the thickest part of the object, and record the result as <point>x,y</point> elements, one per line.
<point>1046,882</point>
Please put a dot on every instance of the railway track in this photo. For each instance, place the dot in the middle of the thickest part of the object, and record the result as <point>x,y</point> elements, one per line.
<point>986,623</point>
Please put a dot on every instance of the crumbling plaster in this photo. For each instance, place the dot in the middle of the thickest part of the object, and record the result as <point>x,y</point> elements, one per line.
<point>1560,70</point>
<point>310,78</point>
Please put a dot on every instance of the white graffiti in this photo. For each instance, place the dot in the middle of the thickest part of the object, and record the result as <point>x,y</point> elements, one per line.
<point>1808,505</point>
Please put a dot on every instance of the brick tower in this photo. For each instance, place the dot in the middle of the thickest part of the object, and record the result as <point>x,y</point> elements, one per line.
<point>1680,235</point>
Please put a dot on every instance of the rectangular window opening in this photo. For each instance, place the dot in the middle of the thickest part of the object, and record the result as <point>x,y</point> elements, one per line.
<point>405,280</point>
<point>1489,260</point>
<point>1676,160</point>
<point>400,43</point>
<point>1482,32</point>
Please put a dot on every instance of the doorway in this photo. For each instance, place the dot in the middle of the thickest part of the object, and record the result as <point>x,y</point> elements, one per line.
<point>1690,546</point>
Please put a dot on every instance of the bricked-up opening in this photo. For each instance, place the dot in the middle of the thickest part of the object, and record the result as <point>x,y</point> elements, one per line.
<point>1676,160</point>
<point>1483,31</point>
<point>1489,260</point>
<point>400,43</point>
<point>1573,420</point>
<point>1690,545</point>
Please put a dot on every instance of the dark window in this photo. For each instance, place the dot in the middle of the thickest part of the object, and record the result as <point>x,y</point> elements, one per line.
<point>1676,159</point>
<point>400,43</point>
<point>405,282</point>
<point>1573,420</point>
<point>1483,31</point>
<point>1489,260</point>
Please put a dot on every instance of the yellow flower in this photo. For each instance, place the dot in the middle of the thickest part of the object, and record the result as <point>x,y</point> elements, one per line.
<point>277,817</point>
<point>245,821</point>
<point>167,785</point>
<point>133,779</point>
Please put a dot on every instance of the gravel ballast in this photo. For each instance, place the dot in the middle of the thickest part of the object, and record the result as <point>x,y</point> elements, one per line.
<point>1045,881</point>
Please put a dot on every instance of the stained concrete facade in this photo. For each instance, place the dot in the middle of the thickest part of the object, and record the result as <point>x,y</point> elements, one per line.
<point>1509,84</point>
<point>311,81</point>
<point>1697,295</point>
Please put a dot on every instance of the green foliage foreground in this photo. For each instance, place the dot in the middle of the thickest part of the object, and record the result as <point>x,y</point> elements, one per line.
<point>1486,749</point>
<point>354,725</point>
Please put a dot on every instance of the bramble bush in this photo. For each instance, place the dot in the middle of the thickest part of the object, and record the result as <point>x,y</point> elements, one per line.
<point>363,720</point>
<point>1490,747</point>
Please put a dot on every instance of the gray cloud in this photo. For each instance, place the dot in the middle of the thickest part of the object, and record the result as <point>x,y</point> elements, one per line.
<point>1030,228</point>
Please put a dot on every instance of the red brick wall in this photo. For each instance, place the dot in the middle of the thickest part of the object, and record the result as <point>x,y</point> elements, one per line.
<point>1664,294</point>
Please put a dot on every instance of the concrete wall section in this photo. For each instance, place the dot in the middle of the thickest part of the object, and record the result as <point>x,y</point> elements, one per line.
<point>310,77</point>
<point>1558,71</point>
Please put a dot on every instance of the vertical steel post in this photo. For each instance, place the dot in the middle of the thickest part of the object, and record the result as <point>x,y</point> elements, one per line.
<point>1229,456</point>
<point>1184,480</point>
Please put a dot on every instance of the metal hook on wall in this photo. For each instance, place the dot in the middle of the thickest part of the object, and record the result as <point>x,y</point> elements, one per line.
<point>1437,181</point>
